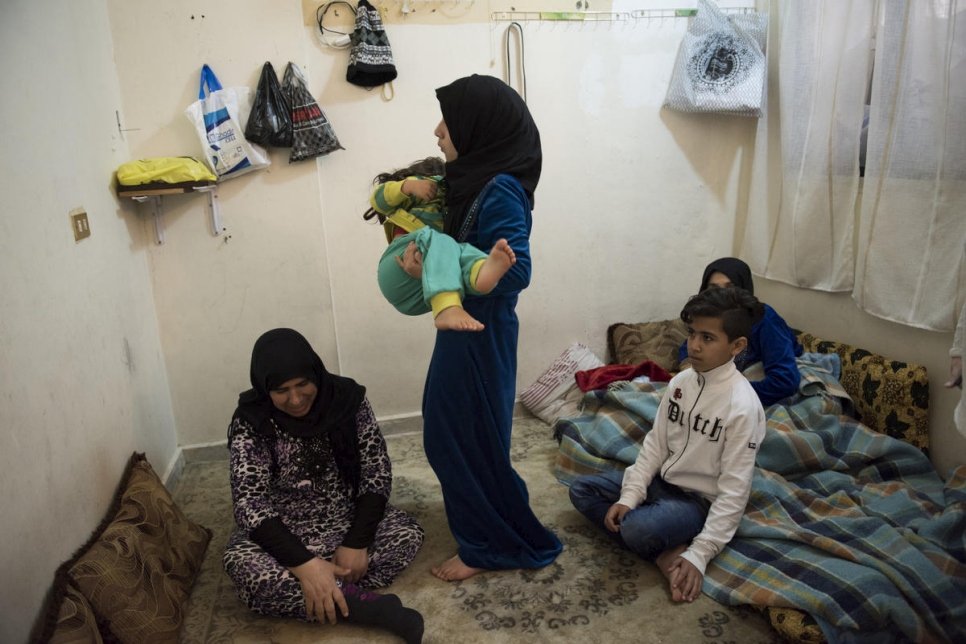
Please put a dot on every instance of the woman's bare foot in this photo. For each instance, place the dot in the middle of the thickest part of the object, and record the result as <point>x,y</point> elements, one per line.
<point>495,266</point>
<point>664,561</point>
<point>455,318</point>
<point>453,569</point>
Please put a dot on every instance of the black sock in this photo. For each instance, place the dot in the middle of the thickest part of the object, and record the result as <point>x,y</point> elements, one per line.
<point>385,611</point>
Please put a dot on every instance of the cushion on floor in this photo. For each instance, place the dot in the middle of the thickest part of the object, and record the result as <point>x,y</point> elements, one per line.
<point>655,341</point>
<point>554,394</point>
<point>136,571</point>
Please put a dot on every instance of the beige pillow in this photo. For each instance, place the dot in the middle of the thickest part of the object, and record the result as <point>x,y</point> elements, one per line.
<point>138,572</point>
<point>655,341</point>
<point>555,393</point>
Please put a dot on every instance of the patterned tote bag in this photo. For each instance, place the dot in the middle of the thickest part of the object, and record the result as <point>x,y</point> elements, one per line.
<point>312,133</point>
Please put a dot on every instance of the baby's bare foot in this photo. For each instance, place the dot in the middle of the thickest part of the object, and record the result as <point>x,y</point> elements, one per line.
<point>495,266</point>
<point>455,318</point>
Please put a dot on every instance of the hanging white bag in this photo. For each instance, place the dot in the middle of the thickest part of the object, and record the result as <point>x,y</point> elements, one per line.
<point>721,65</point>
<point>219,119</point>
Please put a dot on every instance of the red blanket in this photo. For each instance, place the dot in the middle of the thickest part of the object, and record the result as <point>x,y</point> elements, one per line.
<point>600,377</point>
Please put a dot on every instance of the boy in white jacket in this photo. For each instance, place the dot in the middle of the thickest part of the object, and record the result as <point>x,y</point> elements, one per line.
<point>681,500</point>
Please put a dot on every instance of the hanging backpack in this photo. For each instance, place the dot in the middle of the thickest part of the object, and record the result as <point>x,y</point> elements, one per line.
<point>370,58</point>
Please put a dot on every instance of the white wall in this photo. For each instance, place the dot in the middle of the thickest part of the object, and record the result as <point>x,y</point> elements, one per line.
<point>83,378</point>
<point>215,295</point>
<point>633,201</point>
<point>631,204</point>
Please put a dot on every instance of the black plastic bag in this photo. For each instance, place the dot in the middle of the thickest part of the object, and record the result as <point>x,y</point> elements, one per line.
<point>270,121</point>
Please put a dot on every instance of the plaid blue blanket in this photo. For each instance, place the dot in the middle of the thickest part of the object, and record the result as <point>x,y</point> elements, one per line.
<point>853,527</point>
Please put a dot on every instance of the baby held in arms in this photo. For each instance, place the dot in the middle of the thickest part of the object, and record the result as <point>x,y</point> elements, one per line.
<point>423,269</point>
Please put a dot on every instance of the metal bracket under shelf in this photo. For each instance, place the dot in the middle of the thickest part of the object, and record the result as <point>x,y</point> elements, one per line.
<point>156,208</point>
<point>154,197</point>
<point>214,212</point>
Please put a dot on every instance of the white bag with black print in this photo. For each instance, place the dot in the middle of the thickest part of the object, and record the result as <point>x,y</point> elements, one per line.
<point>721,65</point>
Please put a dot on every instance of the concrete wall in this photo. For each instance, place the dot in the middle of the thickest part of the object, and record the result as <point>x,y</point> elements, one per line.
<point>115,343</point>
<point>83,379</point>
<point>631,205</point>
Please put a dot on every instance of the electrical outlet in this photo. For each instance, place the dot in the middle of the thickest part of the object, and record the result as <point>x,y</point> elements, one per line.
<point>78,220</point>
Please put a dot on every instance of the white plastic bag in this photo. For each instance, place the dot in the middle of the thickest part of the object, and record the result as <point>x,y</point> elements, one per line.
<point>721,65</point>
<point>219,119</point>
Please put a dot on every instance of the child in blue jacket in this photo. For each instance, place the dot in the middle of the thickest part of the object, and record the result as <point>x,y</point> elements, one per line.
<point>771,341</point>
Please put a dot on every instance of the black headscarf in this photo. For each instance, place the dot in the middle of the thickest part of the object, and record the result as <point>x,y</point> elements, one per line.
<point>282,354</point>
<point>493,133</point>
<point>736,270</point>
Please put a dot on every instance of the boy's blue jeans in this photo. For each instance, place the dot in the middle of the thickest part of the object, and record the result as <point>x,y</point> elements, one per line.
<point>669,517</point>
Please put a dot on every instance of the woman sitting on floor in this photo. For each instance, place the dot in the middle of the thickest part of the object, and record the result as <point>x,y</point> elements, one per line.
<point>310,481</point>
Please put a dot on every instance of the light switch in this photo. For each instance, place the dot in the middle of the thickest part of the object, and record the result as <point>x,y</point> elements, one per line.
<point>78,220</point>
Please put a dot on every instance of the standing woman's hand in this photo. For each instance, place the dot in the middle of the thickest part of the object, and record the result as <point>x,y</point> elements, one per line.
<point>422,189</point>
<point>355,559</point>
<point>319,587</point>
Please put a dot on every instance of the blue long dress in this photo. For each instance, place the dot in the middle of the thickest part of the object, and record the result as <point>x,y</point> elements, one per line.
<point>468,405</point>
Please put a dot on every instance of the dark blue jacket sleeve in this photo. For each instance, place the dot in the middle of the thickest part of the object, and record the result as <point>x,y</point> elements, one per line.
<point>777,349</point>
<point>505,214</point>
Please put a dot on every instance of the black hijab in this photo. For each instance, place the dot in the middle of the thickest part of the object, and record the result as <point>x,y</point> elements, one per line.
<point>493,133</point>
<point>282,354</point>
<point>736,270</point>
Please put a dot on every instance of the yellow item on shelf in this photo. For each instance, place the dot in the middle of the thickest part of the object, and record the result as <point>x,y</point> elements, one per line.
<point>163,170</point>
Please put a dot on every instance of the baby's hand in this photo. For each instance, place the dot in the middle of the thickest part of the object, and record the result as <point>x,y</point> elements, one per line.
<point>411,261</point>
<point>422,189</point>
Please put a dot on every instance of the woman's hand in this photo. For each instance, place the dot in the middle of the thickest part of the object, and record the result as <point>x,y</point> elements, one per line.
<point>955,373</point>
<point>411,261</point>
<point>355,559</point>
<point>321,592</point>
<point>422,189</point>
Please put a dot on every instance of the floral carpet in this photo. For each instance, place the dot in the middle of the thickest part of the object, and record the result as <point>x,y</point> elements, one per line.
<point>593,592</point>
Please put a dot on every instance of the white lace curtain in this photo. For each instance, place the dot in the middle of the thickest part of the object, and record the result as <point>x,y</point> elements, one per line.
<point>913,221</point>
<point>805,175</point>
<point>805,183</point>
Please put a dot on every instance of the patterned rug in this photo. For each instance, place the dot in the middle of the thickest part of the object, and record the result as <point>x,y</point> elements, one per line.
<point>593,592</point>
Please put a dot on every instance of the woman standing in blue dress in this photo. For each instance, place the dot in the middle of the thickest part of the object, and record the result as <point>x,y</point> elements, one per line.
<point>493,160</point>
